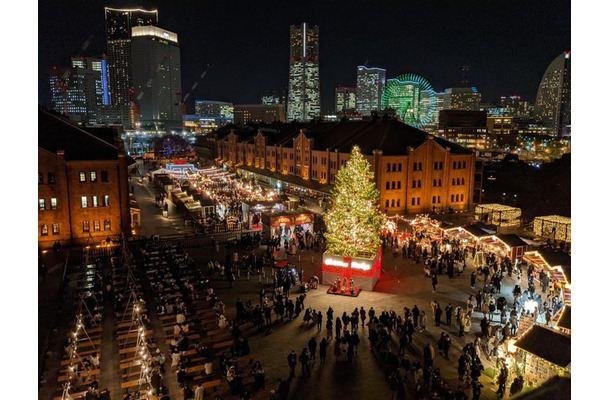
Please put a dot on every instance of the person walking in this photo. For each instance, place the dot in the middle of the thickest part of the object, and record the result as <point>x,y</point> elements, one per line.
<point>329,328</point>
<point>437,316</point>
<point>448,313</point>
<point>304,359</point>
<point>434,282</point>
<point>473,279</point>
<point>319,320</point>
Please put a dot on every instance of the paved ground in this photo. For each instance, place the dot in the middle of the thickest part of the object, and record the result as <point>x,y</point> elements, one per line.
<point>401,284</point>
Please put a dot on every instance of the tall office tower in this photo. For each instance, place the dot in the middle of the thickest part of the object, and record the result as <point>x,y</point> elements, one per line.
<point>345,99</point>
<point>304,74</point>
<point>553,101</point>
<point>462,98</point>
<point>80,91</point>
<point>118,43</point>
<point>370,86</point>
<point>155,55</point>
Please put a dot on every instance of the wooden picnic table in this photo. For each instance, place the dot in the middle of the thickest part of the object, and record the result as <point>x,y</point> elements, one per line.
<point>66,377</point>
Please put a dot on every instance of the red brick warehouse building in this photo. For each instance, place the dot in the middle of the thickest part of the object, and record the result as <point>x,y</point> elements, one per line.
<point>83,189</point>
<point>415,172</point>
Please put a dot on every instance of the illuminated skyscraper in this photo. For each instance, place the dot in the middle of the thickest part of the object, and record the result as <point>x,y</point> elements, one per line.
<point>156,78</point>
<point>345,99</point>
<point>118,42</point>
<point>370,87</point>
<point>462,98</point>
<point>413,99</point>
<point>80,90</point>
<point>304,74</point>
<point>553,101</point>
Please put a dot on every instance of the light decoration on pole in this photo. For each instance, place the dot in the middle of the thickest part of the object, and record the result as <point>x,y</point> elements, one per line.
<point>562,227</point>
<point>353,226</point>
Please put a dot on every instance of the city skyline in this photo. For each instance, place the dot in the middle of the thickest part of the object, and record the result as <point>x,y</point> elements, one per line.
<point>505,43</point>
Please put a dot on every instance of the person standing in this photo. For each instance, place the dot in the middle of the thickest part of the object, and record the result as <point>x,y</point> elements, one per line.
<point>199,392</point>
<point>434,282</point>
<point>423,320</point>
<point>304,359</point>
<point>319,320</point>
<point>292,362</point>
<point>415,312</point>
<point>312,348</point>
<point>323,346</point>
<point>473,279</point>
<point>437,316</point>
<point>448,313</point>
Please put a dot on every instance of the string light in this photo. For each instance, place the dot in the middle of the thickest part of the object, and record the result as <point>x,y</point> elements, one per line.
<point>546,224</point>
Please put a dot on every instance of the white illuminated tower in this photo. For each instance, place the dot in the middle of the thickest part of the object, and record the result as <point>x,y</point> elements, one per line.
<point>371,84</point>
<point>156,78</point>
<point>304,74</point>
<point>553,101</point>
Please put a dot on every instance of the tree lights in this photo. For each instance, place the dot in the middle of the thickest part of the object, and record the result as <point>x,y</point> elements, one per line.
<point>353,225</point>
<point>353,220</point>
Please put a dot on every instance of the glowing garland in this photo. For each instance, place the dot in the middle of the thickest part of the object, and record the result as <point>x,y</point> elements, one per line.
<point>501,215</point>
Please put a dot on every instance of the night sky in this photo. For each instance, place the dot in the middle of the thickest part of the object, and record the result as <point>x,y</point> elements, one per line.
<point>507,44</point>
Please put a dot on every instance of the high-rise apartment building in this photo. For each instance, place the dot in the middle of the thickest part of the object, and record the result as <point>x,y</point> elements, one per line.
<point>156,78</point>
<point>462,98</point>
<point>370,86</point>
<point>553,101</point>
<point>304,73</point>
<point>345,100</point>
<point>119,23</point>
<point>80,91</point>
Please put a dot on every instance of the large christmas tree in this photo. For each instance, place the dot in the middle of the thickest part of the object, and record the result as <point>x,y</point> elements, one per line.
<point>353,219</point>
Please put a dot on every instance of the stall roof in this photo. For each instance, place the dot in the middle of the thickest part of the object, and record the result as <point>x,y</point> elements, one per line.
<point>548,344</point>
<point>511,240</point>
<point>554,258</point>
<point>294,180</point>
<point>477,230</point>
<point>565,321</point>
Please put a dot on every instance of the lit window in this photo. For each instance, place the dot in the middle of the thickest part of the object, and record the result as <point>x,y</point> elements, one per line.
<point>106,200</point>
<point>94,202</point>
<point>86,226</point>
<point>83,201</point>
<point>55,229</point>
<point>96,226</point>
<point>82,177</point>
<point>44,230</point>
<point>41,205</point>
<point>53,203</point>
<point>93,176</point>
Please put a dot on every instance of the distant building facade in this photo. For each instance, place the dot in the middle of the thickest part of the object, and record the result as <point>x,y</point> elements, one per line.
<point>259,113</point>
<point>553,100</point>
<point>81,90</point>
<point>214,109</point>
<point>157,78</point>
<point>83,193</point>
<point>369,90</point>
<point>345,100</point>
<point>414,171</point>
<point>464,127</point>
<point>273,97</point>
<point>304,73</point>
<point>462,98</point>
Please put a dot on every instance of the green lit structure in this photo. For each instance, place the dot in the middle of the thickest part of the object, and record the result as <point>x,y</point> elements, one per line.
<point>412,97</point>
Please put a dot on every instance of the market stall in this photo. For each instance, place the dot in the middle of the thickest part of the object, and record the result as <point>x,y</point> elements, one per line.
<point>554,225</point>
<point>498,214</point>
<point>563,320</point>
<point>285,224</point>
<point>509,245</point>
<point>542,353</point>
<point>557,265</point>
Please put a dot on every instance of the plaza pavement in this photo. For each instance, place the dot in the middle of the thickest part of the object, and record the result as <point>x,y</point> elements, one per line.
<point>401,284</point>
